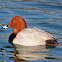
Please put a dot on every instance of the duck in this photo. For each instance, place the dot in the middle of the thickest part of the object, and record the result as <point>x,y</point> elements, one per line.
<point>29,36</point>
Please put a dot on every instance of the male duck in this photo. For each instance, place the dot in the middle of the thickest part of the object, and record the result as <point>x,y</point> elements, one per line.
<point>29,36</point>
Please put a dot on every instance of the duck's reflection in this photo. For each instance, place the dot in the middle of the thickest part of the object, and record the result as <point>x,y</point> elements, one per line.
<point>24,53</point>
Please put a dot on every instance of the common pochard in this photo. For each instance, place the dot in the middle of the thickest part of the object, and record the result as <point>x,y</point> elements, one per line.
<point>29,36</point>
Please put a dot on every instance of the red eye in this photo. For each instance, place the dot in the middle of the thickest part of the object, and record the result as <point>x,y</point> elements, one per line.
<point>13,21</point>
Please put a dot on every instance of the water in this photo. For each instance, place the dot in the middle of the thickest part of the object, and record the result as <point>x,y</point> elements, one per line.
<point>43,14</point>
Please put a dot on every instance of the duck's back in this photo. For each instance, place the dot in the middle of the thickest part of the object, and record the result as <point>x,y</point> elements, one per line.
<point>32,37</point>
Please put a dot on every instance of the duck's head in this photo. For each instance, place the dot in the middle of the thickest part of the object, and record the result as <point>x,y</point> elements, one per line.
<point>17,23</point>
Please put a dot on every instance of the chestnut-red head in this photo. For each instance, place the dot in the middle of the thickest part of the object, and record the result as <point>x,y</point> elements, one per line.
<point>18,24</point>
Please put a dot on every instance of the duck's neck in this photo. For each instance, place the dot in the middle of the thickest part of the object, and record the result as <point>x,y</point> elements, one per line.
<point>16,31</point>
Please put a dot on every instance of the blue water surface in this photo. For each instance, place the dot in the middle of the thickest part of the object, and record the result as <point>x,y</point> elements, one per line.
<point>43,14</point>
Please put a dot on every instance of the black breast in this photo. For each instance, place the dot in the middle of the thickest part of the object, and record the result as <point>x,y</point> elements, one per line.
<point>11,37</point>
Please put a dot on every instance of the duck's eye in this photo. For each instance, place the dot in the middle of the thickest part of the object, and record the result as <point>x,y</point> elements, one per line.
<point>13,21</point>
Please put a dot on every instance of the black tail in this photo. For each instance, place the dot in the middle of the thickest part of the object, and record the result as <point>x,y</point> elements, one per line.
<point>52,43</point>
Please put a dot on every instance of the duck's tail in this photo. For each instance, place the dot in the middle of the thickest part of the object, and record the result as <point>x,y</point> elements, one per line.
<point>52,43</point>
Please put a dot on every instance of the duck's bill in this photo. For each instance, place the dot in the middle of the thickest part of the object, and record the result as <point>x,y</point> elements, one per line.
<point>6,26</point>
